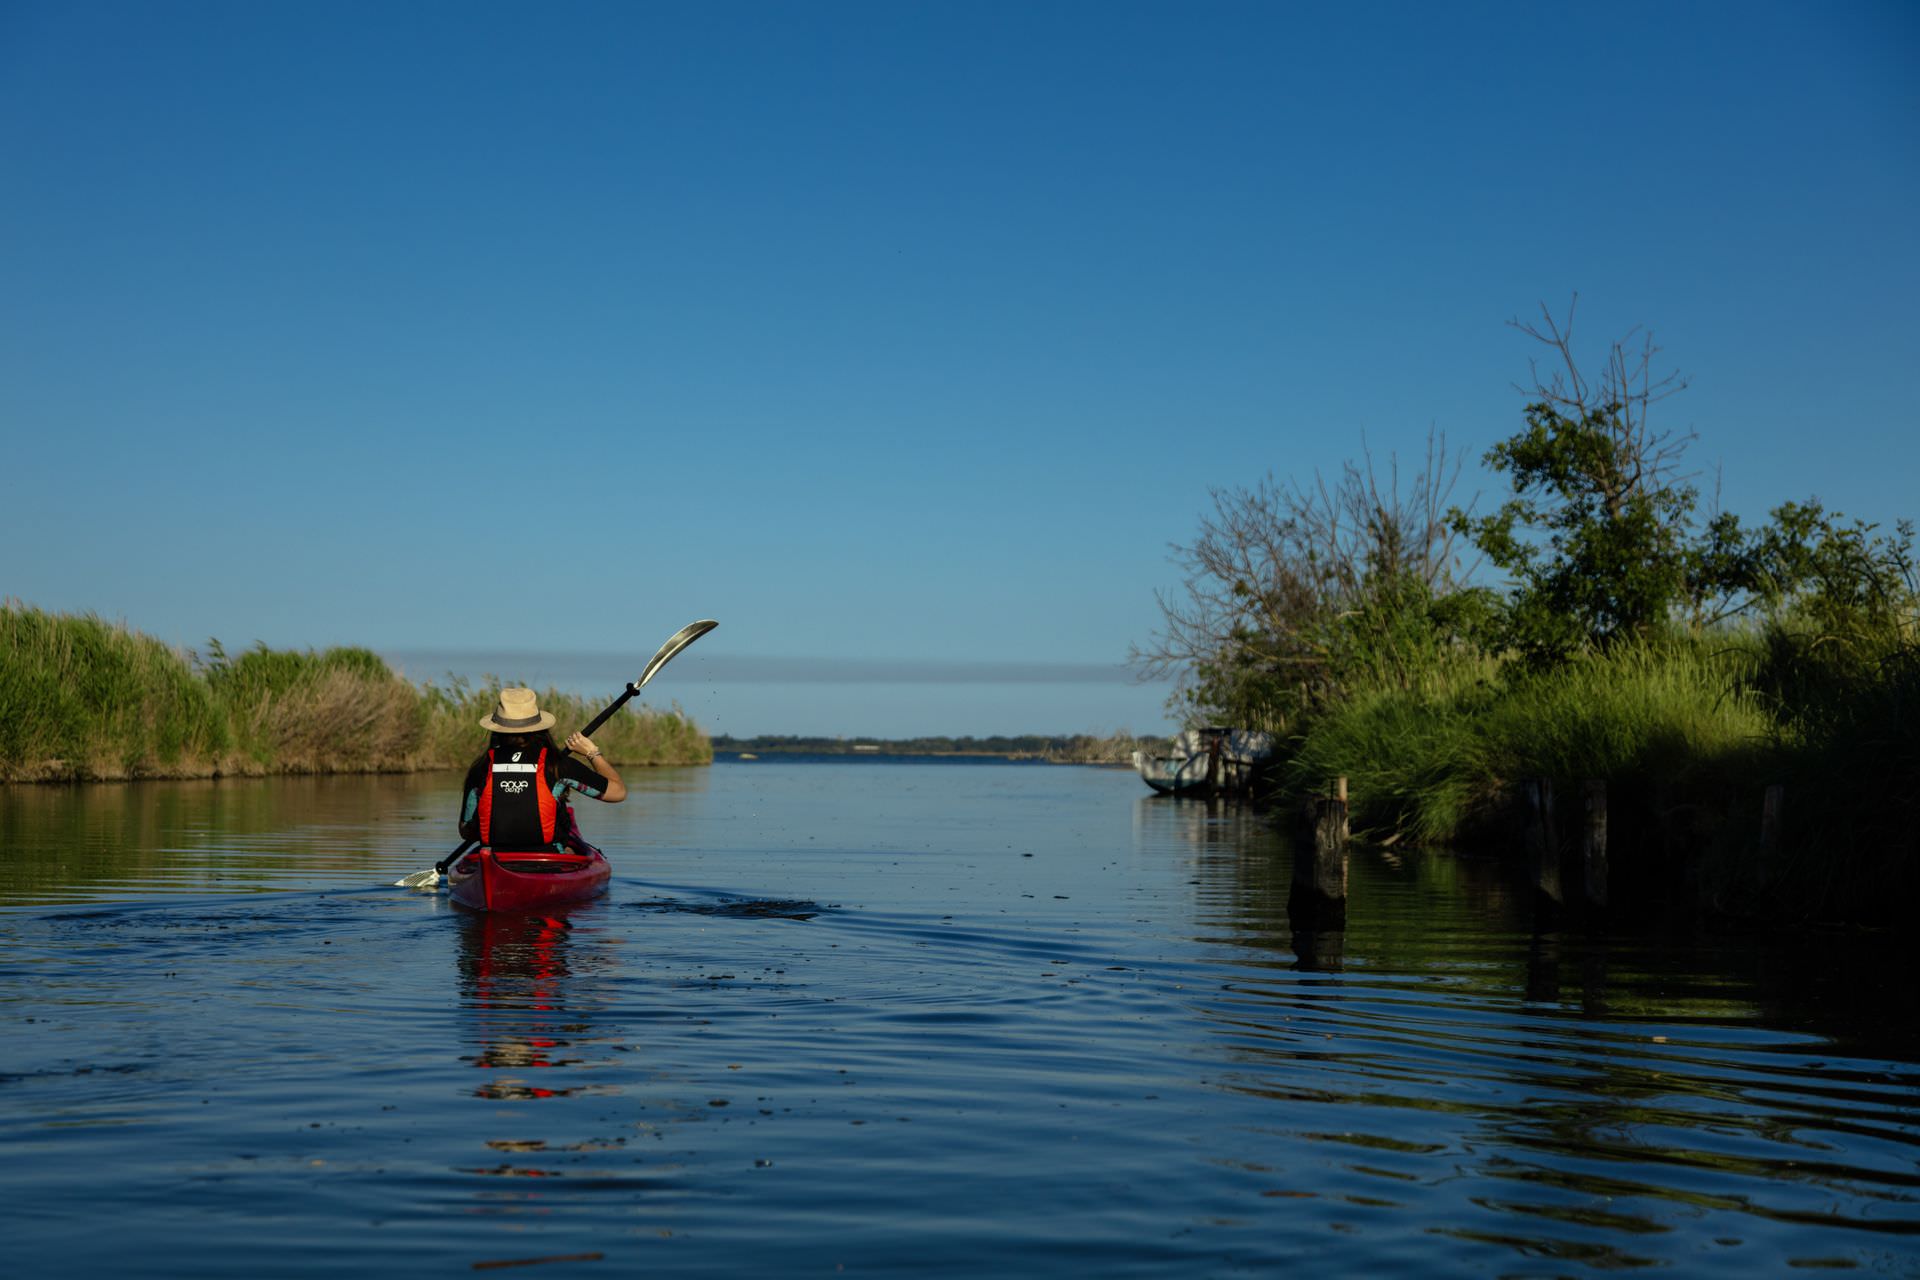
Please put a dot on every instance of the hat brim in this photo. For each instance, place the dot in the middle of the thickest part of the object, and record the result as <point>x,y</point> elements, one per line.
<point>546,721</point>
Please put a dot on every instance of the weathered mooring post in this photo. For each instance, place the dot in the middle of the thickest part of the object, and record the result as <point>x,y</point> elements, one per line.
<point>1593,842</point>
<point>1543,968</point>
<point>1770,821</point>
<point>1543,849</point>
<point>1319,892</point>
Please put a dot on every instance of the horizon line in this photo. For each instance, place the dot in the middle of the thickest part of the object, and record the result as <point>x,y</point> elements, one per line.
<point>765,669</point>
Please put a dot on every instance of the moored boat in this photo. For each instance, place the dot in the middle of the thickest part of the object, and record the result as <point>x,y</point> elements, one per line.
<point>1172,775</point>
<point>494,880</point>
<point>1207,762</point>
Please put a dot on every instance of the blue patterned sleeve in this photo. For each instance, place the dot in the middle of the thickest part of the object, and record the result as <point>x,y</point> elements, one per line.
<point>575,776</point>
<point>574,784</point>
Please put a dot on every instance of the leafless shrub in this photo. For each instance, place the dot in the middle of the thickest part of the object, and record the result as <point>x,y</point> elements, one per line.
<point>1272,564</point>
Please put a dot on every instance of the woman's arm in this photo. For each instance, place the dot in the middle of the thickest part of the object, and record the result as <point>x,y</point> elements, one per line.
<point>470,803</point>
<point>581,745</point>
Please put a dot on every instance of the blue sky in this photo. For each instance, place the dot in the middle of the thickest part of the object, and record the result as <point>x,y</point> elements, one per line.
<point>910,332</point>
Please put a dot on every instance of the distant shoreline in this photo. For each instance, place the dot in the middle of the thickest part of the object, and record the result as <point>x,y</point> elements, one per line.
<point>1116,749</point>
<point>909,757</point>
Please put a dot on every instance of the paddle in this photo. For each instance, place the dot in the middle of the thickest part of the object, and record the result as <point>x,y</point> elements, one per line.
<point>667,652</point>
<point>431,876</point>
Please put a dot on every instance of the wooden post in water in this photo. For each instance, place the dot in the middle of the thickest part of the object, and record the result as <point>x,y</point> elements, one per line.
<point>1543,850</point>
<point>1330,847</point>
<point>1770,821</point>
<point>1593,842</point>
<point>1319,890</point>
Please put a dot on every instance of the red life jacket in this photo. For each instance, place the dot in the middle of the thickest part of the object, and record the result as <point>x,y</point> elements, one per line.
<point>517,809</point>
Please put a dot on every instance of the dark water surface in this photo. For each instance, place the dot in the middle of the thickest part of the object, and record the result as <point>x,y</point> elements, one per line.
<point>900,1018</point>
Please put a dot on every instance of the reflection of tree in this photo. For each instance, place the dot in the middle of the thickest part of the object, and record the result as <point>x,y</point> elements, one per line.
<point>73,842</point>
<point>1410,910</point>
<point>1601,1080</point>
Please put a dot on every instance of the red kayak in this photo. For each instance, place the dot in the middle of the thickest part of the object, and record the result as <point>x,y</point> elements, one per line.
<point>492,880</point>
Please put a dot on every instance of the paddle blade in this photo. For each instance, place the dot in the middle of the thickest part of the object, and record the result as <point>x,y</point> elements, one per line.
<point>675,643</point>
<point>428,879</point>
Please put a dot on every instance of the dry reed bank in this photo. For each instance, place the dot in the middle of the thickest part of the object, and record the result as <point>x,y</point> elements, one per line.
<point>84,699</point>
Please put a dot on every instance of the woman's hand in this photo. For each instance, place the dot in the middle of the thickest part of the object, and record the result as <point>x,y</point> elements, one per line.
<point>616,789</point>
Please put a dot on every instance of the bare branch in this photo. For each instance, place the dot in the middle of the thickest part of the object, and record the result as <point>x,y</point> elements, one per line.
<point>1272,564</point>
<point>1628,388</point>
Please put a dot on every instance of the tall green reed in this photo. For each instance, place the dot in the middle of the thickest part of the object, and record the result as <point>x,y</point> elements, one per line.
<point>81,698</point>
<point>1433,758</point>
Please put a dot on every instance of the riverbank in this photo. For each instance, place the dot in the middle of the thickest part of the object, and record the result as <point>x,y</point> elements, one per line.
<point>82,699</point>
<point>1689,735</point>
<point>1746,692</point>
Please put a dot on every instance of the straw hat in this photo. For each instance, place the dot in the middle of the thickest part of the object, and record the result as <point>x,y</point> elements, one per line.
<point>518,712</point>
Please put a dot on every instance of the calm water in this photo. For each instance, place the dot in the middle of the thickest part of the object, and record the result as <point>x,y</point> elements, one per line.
<point>959,1019</point>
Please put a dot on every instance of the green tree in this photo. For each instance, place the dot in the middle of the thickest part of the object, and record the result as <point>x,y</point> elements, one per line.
<point>1841,576</point>
<point>1598,535</point>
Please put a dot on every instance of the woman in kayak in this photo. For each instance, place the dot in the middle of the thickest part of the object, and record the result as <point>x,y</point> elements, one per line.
<point>513,795</point>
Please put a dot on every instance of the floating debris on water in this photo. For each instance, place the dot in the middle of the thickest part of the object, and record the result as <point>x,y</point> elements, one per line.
<point>737,908</point>
<point>535,1262</point>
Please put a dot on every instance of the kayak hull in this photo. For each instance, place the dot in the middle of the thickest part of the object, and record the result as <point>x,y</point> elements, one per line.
<point>492,880</point>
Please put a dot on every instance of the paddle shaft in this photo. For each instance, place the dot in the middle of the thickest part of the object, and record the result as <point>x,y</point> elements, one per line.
<point>442,865</point>
<point>608,714</point>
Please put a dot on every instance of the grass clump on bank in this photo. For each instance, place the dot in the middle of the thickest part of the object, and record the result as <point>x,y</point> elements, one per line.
<point>1671,714</point>
<point>83,699</point>
<point>1413,756</point>
<point>1688,733</point>
<point>1436,762</point>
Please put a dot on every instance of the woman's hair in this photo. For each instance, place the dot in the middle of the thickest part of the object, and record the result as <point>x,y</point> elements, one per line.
<point>526,742</point>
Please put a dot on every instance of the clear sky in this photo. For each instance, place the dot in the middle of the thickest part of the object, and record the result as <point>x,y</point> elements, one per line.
<point>892,331</point>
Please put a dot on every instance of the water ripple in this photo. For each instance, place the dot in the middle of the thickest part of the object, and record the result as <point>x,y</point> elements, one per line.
<point>823,1022</point>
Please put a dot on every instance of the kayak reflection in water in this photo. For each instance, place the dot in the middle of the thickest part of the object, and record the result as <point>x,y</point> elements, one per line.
<point>513,797</point>
<point>514,974</point>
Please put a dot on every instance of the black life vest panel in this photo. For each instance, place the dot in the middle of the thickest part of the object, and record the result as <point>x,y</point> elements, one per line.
<point>517,807</point>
